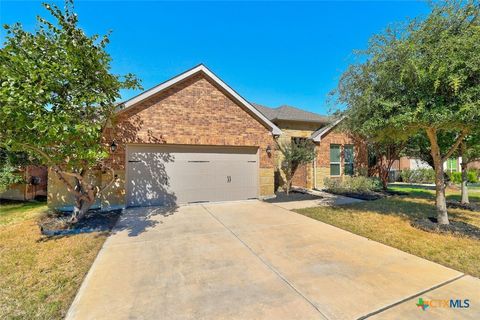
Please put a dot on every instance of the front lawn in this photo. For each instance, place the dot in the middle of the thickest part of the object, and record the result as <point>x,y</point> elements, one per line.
<point>388,221</point>
<point>39,277</point>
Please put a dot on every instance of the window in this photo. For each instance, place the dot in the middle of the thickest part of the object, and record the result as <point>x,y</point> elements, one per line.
<point>348,159</point>
<point>298,140</point>
<point>334,159</point>
<point>452,165</point>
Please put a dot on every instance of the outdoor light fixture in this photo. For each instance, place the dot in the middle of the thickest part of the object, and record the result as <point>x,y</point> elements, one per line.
<point>113,146</point>
<point>269,150</point>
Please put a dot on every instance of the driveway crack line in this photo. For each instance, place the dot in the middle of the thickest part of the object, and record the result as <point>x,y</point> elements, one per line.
<point>269,266</point>
<point>385,308</point>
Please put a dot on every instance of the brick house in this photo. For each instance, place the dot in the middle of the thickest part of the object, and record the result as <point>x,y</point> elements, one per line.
<point>337,153</point>
<point>194,139</point>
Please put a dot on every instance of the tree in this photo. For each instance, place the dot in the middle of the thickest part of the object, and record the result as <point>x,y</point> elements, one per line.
<point>295,154</point>
<point>385,154</point>
<point>469,151</point>
<point>421,77</point>
<point>57,96</point>
<point>10,168</point>
<point>383,150</point>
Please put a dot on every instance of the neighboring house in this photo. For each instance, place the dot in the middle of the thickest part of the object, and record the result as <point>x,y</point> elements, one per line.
<point>35,185</point>
<point>406,163</point>
<point>194,139</point>
<point>337,153</point>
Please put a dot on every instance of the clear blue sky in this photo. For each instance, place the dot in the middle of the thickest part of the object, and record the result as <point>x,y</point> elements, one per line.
<point>272,53</point>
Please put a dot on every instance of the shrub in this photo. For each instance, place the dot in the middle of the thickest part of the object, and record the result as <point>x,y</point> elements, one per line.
<point>418,175</point>
<point>456,177</point>
<point>472,176</point>
<point>360,184</point>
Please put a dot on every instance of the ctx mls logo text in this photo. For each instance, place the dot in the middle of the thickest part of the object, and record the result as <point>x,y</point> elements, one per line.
<point>443,303</point>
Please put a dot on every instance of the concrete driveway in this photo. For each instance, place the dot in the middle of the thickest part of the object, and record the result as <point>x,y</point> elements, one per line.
<point>254,260</point>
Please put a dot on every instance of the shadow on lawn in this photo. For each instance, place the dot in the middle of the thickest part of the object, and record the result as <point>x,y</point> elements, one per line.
<point>409,208</point>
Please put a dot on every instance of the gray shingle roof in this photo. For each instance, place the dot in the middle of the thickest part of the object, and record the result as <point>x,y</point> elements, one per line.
<point>290,113</point>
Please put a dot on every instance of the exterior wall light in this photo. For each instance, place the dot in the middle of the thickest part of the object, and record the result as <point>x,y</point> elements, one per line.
<point>113,146</point>
<point>269,150</point>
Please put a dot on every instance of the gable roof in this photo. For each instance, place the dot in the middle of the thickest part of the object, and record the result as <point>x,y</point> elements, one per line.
<point>320,133</point>
<point>189,73</point>
<point>290,113</point>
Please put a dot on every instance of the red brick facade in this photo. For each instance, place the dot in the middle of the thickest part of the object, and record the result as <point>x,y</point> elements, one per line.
<point>194,112</point>
<point>340,138</point>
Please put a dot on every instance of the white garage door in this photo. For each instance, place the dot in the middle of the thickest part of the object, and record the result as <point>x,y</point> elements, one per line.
<point>167,175</point>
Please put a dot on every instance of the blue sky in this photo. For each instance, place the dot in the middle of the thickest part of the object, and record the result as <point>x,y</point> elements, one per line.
<point>272,53</point>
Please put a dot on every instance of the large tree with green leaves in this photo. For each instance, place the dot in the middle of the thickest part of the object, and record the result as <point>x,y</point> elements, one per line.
<point>422,76</point>
<point>57,95</point>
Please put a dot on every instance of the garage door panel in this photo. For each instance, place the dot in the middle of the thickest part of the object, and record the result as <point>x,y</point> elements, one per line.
<point>163,175</point>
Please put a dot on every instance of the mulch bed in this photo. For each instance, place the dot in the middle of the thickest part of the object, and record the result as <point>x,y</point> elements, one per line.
<point>57,224</point>
<point>455,227</point>
<point>458,205</point>
<point>369,196</point>
<point>293,196</point>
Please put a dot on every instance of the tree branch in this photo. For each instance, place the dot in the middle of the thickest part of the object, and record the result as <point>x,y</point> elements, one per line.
<point>112,180</point>
<point>455,146</point>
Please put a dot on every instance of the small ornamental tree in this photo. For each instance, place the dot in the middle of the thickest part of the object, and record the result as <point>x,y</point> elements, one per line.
<point>56,97</point>
<point>421,77</point>
<point>295,154</point>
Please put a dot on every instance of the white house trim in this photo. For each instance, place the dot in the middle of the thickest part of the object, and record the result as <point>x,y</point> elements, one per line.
<point>200,68</point>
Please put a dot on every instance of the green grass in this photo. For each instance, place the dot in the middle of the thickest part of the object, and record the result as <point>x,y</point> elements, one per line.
<point>388,221</point>
<point>429,192</point>
<point>39,277</point>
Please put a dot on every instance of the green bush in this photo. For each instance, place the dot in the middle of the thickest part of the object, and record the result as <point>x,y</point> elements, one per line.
<point>9,175</point>
<point>418,175</point>
<point>456,177</point>
<point>472,176</point>
<point>360,184</point>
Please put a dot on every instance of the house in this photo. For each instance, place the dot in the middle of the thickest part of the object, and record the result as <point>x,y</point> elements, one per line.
<point>337,153</point>
<point>195,139</point>
<point>34,185</point>
<point>406,163</point>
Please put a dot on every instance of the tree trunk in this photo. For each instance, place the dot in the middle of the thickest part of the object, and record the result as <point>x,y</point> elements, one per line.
<point>440,201</point>
<point>465,199</point>
<point>84,198</point>
<point>80,210</point>
<point>383,173</point>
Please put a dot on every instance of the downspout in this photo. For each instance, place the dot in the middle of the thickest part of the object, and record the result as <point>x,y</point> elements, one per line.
<point>315,169</point>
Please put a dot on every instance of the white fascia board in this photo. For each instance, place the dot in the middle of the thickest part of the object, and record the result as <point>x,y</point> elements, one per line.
<point>200,68</point>
<point>317,137</point>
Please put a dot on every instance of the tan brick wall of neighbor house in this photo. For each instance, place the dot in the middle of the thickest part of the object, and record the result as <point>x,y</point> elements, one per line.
<point>323,154</point>
<point>193,112</point>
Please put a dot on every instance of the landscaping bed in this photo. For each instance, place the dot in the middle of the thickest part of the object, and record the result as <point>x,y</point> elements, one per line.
<point>368,196</point>
<point>455,227</point>
<point>57,224</point>
<point>294,195</point>
<point>458,205</point>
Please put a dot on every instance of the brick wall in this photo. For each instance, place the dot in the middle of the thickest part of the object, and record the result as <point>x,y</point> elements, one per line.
<point>193,112</point>
<point>304,175</point>
<point>323,154</point>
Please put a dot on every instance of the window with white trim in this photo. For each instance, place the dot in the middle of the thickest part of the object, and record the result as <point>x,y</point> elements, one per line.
<point>335,162</point>
<point>348,155</point>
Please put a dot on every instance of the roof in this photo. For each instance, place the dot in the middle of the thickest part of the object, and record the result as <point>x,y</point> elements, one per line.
<point>189,73</point>
<point>320,133</point>
<point>290,113</point>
